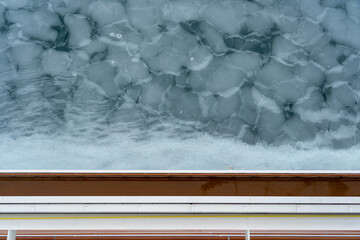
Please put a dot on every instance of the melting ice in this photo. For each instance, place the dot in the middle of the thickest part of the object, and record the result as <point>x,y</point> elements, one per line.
<point>180,84</point>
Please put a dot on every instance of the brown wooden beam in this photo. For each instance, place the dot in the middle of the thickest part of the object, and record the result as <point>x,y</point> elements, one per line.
<point>178,184</point>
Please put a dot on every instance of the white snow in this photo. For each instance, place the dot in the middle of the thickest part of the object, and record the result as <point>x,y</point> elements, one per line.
<point>202,152</point>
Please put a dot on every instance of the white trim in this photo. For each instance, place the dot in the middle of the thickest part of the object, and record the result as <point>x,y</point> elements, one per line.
<point>11,235</point>
<point>167,222</point>
<point>180,205</point>
<point>178,209</point>
<point>189,235</point>
<point>247,234</point>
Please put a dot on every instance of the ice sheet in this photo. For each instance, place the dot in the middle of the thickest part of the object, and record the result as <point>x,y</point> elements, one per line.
<point>179,84</point>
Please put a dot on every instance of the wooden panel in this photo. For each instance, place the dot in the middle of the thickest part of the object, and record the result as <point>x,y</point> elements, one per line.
<point>179,184</point>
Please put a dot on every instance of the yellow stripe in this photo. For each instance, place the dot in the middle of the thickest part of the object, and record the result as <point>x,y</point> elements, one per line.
<point>180,216</point>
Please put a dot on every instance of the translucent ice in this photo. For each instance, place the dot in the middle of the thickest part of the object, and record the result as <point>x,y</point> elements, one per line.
<point>106,12</point>
<point>79,30</point>
<point>56,62</point>
<point>35,25</point>
<point>215,75</point>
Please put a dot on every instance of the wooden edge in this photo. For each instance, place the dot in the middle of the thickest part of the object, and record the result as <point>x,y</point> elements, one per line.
<point>178,184</point>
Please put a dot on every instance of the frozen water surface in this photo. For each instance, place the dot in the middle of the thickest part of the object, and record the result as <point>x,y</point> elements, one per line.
<point>179,84</point>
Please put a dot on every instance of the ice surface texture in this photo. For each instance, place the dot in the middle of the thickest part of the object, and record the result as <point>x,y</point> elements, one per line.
<point>273,72</point>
